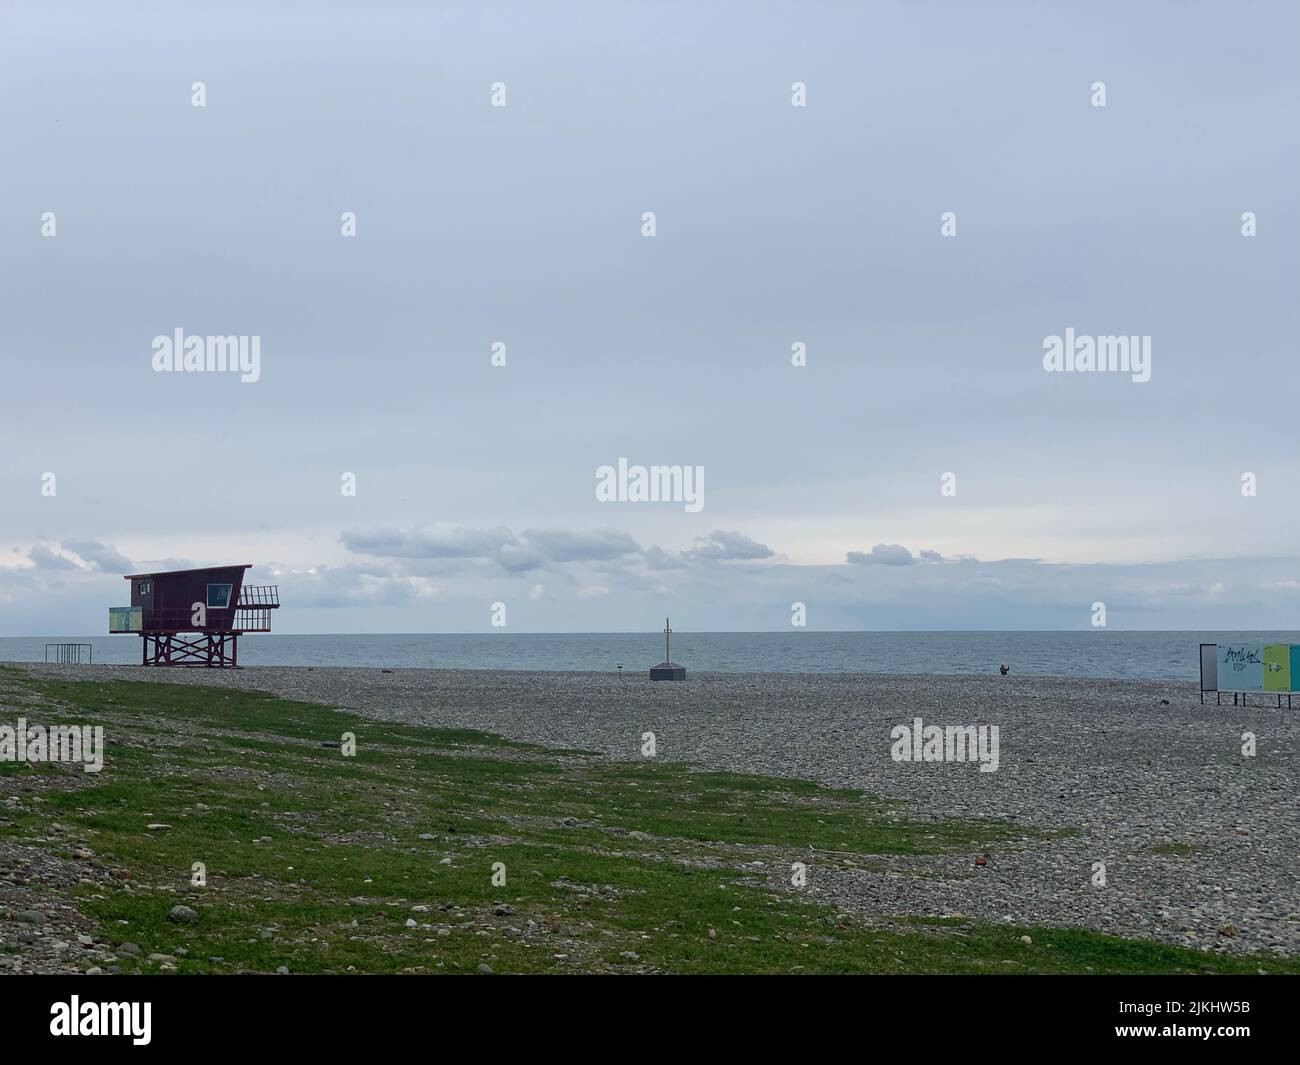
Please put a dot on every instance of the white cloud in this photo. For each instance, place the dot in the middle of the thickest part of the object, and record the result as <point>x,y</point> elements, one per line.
<point>102,557</point>
<point>439,542</point>
<point>44,558</point>
<point>566,545</point>
<point>882,555</point>
<point>722,545</point>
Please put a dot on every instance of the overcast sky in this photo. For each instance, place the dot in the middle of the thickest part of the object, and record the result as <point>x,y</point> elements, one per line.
<point>774,225</point>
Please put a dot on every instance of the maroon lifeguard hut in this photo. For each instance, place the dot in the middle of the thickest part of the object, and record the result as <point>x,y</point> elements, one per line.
<point>194,617</point>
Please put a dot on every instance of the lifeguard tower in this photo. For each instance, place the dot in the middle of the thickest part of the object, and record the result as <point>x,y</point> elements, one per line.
<point>194,617</point>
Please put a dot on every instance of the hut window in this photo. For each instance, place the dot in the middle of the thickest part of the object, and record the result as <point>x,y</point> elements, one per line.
<point>144,587</point>
<point>219,596</point>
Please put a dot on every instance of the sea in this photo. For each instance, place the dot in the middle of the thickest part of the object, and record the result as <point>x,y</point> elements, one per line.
<point>1095,653</point>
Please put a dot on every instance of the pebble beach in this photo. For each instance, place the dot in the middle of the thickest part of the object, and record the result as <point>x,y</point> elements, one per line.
<point>1199,843</point>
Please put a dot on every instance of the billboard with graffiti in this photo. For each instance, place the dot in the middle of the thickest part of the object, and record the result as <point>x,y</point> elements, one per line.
<point>1250,667</point>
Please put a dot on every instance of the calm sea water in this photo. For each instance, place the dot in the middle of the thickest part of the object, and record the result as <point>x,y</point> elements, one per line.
<point>1135,655</point>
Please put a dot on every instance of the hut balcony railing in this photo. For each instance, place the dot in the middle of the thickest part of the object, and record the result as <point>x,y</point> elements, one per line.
<point>266,596</point>
<point>253,619</point>
<point>241,619</point>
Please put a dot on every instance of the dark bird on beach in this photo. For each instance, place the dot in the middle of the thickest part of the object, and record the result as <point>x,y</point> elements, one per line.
<point>1004,669</point>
